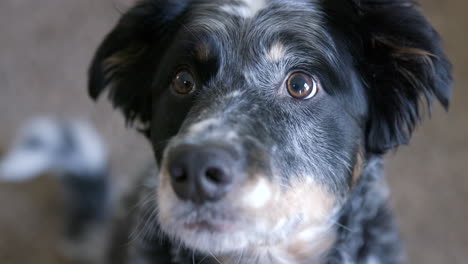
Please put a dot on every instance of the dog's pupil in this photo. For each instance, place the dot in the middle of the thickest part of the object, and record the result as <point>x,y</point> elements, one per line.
<point>187,84</point>
<point>186,79</point>
<point>184,82</point>
<point>299,85</point>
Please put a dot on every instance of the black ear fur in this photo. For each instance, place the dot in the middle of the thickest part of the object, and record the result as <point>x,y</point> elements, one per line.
<point>127,59</point>
<point>403,65</point>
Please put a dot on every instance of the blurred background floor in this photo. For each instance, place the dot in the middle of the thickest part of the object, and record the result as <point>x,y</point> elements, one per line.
<point>45,48</point>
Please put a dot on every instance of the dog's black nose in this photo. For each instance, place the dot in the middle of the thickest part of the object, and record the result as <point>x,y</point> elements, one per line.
<point>201,173</point>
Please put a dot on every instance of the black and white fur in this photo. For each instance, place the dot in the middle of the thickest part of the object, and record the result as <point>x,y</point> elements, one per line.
<point>290,180</point>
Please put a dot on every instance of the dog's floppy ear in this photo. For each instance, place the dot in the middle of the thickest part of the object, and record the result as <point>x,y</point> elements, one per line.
<point>127,59</point>
<point>404,67</point>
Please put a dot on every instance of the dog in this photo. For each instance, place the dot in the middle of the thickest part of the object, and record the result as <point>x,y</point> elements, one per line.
<point>269,121</point>
<point>74,152</point>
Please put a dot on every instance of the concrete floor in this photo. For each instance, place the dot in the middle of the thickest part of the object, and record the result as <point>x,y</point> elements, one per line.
<point>45,48</point>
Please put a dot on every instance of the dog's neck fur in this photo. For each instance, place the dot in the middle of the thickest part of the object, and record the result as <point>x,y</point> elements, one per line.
<point>367,232</point>
<point>357,237</point>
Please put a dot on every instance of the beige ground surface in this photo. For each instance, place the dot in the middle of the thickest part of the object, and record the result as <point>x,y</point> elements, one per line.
<point>45,47</point>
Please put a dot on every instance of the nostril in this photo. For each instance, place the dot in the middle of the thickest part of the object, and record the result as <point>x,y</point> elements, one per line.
<point>215,175</point>
<point>179,174</point>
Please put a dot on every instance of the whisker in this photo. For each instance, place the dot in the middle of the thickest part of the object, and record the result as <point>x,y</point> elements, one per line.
<point>136,233</point>
<point>145,226</point>
<point>203,259</point>
<point>117,7</point>
<point>343,226</point>
<point>240,257</point>
<point>217,260</point>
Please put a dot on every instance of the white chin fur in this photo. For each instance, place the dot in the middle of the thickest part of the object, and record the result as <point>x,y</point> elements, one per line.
<point>204,241</point>
<point>212,243</point>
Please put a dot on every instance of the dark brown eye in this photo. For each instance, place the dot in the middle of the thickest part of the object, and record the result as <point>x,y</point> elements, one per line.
<point>302,86</point>
<point>183,82</point>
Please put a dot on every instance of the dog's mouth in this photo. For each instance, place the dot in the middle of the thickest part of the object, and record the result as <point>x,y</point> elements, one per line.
<point>215,230</point>
<point>218,219</point>
<point>212,226</point>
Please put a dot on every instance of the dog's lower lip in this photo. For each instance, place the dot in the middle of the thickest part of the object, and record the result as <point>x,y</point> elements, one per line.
<point>208,226</point>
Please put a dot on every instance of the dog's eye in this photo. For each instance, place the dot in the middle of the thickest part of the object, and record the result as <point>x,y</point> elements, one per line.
<point>302,86</point>
<point>183,82</point>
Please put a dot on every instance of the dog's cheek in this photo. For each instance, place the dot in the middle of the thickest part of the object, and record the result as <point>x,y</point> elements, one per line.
<point>300,214</point>
<point>274,206</point>
<point>311,245</point>
<point>165,197</point>
<point>311,200</point>
<point>315,206</point>
<point>258,193</point>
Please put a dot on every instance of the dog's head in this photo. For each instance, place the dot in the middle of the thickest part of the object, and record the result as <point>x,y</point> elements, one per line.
<point>261,113</point>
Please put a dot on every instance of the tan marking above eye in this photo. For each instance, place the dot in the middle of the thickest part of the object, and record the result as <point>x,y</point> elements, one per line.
<point>277,52</point>
<point>183,82</point>
<point>203,51</point>
<point>302,86</point>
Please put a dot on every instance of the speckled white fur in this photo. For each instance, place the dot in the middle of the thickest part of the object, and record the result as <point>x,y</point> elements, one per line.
<point>247,9</point>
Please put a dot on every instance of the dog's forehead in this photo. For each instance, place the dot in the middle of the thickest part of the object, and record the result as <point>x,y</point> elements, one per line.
<point>250,32</point>
<point>235,19</point>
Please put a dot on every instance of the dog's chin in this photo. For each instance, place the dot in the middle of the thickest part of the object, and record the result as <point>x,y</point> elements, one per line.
<point>218,239</point>
<point>222,237</point>
<point>228,236</point>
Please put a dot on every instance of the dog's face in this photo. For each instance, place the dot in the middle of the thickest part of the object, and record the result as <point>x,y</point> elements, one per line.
<point>261,113</point>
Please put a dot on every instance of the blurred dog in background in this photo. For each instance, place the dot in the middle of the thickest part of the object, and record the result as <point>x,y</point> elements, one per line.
<point>74,152</point>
